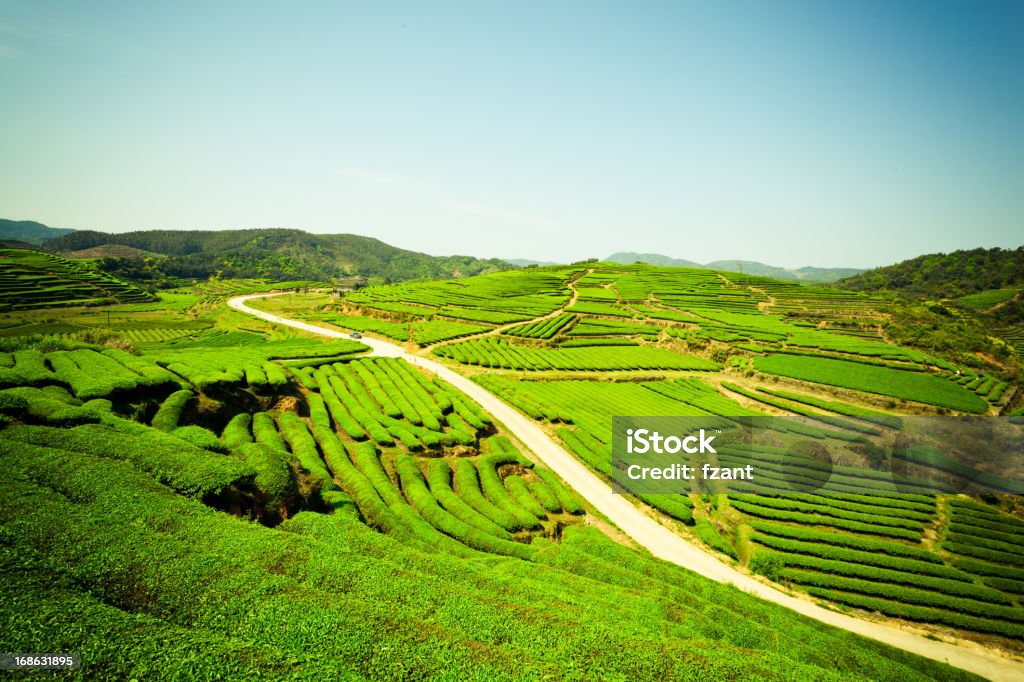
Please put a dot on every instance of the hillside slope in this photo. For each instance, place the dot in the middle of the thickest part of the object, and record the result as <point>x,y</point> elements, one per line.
<point>985,284</point>
<point>945,275</point>
<point>34,279</point>
<point>275,253</point>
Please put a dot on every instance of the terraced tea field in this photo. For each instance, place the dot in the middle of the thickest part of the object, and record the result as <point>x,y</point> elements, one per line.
<point>386,498</point>
<point>35,279</point>
<point>376,477</point>
<point>834,544</point>
<point>854,379</point>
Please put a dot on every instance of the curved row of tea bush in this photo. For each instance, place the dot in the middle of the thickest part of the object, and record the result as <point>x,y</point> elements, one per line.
<point>916,386</point>
<point>904,594</point>
<point>501,354</point>
<point>878,557</point>
<point>774,514</point>
<point>847,569</point>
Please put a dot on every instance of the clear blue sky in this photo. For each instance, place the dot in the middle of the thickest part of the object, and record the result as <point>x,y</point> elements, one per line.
<point>828,133</point>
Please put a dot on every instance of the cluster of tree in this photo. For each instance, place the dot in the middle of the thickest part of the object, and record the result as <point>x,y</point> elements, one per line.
<point>272,253</point>
<point>945,275</point>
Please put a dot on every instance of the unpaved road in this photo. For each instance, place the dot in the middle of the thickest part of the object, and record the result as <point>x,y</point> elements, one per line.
<point>659,540</point>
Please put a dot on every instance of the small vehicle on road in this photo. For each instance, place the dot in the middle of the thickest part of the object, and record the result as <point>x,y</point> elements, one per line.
<point>355,335</point>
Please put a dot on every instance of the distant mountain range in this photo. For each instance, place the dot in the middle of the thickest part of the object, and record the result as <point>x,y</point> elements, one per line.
<point>29,231</point>
<point>523,262</point>
<point>749,267</point>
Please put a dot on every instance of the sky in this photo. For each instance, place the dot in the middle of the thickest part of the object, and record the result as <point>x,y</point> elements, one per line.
<point>834,134</point>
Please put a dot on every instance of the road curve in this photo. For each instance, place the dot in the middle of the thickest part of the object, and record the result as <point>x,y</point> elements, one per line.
<point>657,539</point>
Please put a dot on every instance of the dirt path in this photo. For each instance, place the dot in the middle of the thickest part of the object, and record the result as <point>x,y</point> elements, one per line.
<point>658,539</point>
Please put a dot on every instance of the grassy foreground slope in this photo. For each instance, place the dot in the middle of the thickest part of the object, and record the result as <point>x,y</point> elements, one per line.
<point>141,579</point>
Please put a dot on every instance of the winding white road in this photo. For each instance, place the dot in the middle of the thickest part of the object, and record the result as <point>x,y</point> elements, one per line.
<point>659,540</point>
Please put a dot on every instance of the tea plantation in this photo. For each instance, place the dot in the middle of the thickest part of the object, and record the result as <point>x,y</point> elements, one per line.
<point>638,340</point>
<point>384,501</point>
<point>189,493</point>
<point>35,279</point>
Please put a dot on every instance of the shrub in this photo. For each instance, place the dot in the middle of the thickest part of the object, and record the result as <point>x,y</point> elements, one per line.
<point>171,461</point>
<point>439,477</point>
<point>854,556</point>
<point>421,498</point>
<point>169,414</point>
<point>517,489</point>
<point>545,496</point>
<point>303,446</point>
<point>566,499</point>
<point>710,536</point>
<point>844,540</point>
<point>264,429</point>
<point>273,475</point>
<point>467,486</point>
<point>677,506</point>
<point>491,484</point>
<point>276,375</point>
<point>768,564</point>
<point>29,369</point>
<point>959,588</point>
<point>904,594</point>
<point>237,431</point>
<point>899,609</point>
<point>816,519</point>
<point>200,437</point>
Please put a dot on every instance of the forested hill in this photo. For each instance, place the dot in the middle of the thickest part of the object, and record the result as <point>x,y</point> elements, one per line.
<point>946,275</point>
<point>275,253</point>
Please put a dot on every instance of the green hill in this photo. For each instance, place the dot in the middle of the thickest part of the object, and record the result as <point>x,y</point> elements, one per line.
<point>29,231</point>
<point>273,253</point>
<point>945,275</point>
<point>984,284</point>
<point>629,257</point>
